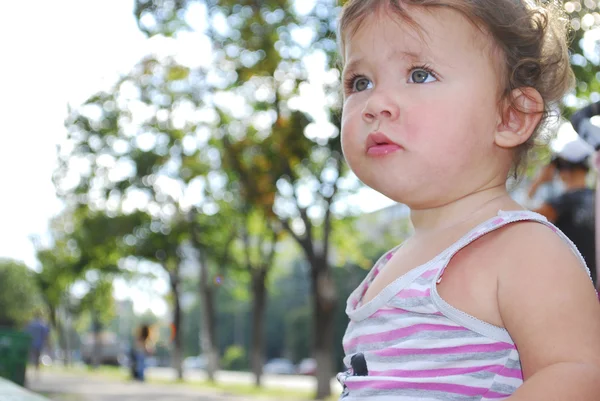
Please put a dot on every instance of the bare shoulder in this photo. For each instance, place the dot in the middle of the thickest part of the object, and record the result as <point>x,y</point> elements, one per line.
<point>545,297</point>
<point>533,247</point>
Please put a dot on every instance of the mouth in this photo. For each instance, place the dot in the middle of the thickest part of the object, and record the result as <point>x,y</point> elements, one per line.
<point>379,144</point>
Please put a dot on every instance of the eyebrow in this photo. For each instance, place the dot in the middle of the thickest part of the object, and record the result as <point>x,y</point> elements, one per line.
<point>353,64</point>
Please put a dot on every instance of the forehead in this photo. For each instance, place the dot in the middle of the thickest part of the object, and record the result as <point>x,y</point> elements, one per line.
<point>424,32</point>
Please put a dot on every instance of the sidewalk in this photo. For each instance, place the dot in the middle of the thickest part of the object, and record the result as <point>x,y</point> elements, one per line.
<point>10,391</point>
<point>77,387</point>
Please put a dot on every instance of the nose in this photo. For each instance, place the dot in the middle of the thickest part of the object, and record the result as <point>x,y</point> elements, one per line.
<point>380,106</point>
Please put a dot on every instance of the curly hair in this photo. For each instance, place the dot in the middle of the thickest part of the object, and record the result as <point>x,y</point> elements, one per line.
<point>530,37</point>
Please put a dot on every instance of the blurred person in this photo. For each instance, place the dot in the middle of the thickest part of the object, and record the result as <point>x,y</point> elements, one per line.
<point>582,124</point>
<point>581,121</point>
<point>39,331</point>
<point>572,210</point>
<point>142,346</point>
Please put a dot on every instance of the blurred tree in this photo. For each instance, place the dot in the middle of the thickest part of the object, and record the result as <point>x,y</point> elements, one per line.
<point>258,68</point>
<point>99,303</point>
<point>253,238</point>
<point>86,248</point>
<point>162,242</point>
<point>19,294</point>
<point>138,155</point>
<point>584,16</point>
<point>257,247</point>
<point>54,280</point>
<point>212,237</point>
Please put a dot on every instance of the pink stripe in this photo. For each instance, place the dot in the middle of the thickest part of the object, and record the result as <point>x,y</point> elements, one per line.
<point>411,293</point>
<point>495,347</point>
<point>512,373</point>
<point>400,333</point>
<point>430,273</point>
<point>438,372</point>
<point>443,387</point>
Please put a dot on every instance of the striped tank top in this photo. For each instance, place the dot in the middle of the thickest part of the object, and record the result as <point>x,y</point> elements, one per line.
<point>409,344</point>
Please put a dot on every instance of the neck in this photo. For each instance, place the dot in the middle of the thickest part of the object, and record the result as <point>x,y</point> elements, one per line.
<point>464,210</point>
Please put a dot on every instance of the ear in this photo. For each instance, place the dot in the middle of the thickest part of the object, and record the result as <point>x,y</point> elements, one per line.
<point>520,115</point>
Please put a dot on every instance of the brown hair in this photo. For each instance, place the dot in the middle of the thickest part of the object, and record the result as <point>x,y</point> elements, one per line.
<point>530,35</point>
<point>144,333</point>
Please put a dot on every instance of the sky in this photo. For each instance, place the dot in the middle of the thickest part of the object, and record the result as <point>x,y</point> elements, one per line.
<point>54,54</point>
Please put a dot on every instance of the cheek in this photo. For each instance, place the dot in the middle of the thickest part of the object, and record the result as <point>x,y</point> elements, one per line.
<point>430,122</point>
<point>450,120</point>
<point>349,124</point>
<point>348,136</point>
<point>448,140</point>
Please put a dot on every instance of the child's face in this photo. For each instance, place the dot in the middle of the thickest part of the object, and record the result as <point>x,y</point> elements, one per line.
<point>433,96</point>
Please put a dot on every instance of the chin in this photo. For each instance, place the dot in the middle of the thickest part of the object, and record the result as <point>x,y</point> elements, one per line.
<point>399,194</point>
<point>414,196</point>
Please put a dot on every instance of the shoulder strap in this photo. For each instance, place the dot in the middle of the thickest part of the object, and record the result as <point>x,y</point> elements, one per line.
<point>502,219</point>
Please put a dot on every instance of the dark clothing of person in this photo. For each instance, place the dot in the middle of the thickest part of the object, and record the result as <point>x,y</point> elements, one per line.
<point>585,113</point>
<point>575,212</point>
<point>38,330</point>
<point>138,364</point>
<point>587,131</point>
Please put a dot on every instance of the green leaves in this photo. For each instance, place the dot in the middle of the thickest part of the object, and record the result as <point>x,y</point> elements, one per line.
<point>177,73</point>
<point>99,301</point>
<point>19,294</point>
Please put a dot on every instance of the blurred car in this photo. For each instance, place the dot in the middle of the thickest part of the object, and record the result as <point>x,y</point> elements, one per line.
<point>279,366</point>
<point>110,350</point>
<point>307,366</point>
<point>195,362</point>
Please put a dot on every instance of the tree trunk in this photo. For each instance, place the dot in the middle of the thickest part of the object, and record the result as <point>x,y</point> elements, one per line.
<point>67,328</point>
<point>324,302</point>
<point>58,323</point>
<point>208,342</point>
<point>259,293</point>
<point>55,327</point>
<point>97,346</point>
<point>177,338</point>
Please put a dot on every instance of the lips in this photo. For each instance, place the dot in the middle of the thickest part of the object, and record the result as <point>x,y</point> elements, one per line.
<point>380,145</point>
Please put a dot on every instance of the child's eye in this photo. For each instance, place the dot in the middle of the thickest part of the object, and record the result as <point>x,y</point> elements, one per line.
<point>358,84</point>
<point>421,76</point>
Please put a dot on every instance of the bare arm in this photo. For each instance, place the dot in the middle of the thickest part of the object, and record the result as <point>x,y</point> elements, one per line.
<point>551,311</point>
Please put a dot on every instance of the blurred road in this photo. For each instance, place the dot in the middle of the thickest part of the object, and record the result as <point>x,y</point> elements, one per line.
<point>64,386</point>
<point>75,387</point>
<point>291,382</point>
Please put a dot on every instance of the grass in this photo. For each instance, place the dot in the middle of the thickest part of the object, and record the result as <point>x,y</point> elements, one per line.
<point>63,397</point>
<point>121,374</point>
<point>243,389</point>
